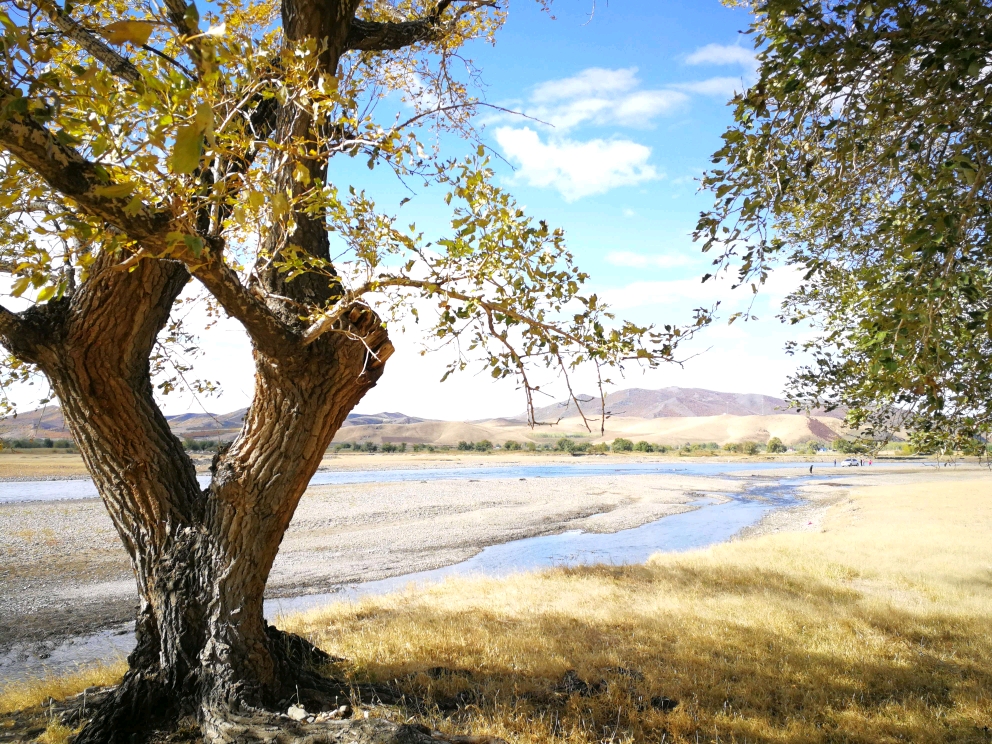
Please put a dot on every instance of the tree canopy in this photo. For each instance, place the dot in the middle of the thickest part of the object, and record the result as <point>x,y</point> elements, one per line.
<point>860,157</point>
<point>146,131</point>
<point>149,143</point>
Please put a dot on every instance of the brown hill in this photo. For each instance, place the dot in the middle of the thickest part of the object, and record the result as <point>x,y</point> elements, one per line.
<point>673,402</point>
<point>48,422</point>
<point>667,416</point>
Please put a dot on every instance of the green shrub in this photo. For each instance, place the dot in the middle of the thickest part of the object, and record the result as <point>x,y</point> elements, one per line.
<point>389,447</point>
<point>531,447</point>
<point>511,445</point>
<point>370,447</point>
<point>622,445</point>
<point>565,445</point>
<point>466,446</point>
<point>643,446</point>
<point>484,446</point>
<point>750,448</point>
<point>775,445</point>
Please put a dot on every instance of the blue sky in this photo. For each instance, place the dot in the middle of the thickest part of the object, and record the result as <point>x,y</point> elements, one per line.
<point>638,98</point>
<point>637,95</point>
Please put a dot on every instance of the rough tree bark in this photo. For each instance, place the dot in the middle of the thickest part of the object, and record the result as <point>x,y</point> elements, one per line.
<point>201,557</point>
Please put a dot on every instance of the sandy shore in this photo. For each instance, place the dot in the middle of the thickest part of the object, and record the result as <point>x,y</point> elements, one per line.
<point>63,571</point>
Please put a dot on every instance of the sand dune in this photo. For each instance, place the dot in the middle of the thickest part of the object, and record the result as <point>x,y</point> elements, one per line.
<point>790,428</point>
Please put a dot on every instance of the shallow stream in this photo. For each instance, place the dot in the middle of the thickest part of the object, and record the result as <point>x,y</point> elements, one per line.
<point>83,488</point>
<point>715,519</point>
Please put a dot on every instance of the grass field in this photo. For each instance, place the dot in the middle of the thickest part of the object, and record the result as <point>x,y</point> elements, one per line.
<point>874,630</point>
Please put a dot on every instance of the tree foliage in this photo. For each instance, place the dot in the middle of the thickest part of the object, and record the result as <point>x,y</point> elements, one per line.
<point>167,124</point>
<point>861,158</point>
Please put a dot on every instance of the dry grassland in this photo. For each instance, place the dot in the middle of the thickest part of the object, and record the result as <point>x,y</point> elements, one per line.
<point>875,630</point>
<point>23,695</point>
<point>42,465</point>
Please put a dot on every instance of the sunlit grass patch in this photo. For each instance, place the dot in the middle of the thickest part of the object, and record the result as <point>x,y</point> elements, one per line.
<point>874,630</point>
<point>30,693</point>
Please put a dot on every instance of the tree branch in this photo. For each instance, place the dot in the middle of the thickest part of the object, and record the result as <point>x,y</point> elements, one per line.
<point>181,17</point>
<point>66,171</point>
<point>70,174</point>
<point>115,62</point>
<point>374,36</point>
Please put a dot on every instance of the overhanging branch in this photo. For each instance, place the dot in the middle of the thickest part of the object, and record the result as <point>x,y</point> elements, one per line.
<point>70,174</point>
<point>115,62</point>
<point>375,36</point>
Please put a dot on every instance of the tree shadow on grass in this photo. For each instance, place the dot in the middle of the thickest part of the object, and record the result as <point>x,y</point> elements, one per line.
<point>680,653</point>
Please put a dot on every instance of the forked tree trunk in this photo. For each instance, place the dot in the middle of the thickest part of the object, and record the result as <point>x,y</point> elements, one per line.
<point>201,557</point>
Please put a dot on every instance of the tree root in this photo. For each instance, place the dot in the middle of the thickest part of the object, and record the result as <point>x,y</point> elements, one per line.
<point>220,727</point>
<point>139,705</point>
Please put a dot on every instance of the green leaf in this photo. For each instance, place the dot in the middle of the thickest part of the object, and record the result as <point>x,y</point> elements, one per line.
<point>187,150</point>
<point>194,243</point>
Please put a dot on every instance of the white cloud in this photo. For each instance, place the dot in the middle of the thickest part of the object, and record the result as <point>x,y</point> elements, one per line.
<point>722,87</point>
<point>576,169</point>
<point>594,81</point>
<point>602,97</point>
<point>640,261</point>
<point>720,54</point>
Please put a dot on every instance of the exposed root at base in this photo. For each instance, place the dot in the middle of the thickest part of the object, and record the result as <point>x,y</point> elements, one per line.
<point>231,729</point>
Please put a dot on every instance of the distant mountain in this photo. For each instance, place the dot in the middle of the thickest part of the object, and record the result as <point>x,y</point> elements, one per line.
<point>672,402</point>
<point>48,422</point>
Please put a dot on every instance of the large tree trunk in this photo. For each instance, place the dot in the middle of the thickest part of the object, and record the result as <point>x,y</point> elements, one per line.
<point>201,557</point>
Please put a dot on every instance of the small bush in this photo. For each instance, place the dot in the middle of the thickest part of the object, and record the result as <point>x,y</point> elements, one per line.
<point>776,446</point>
<point>750,448</point>
<point>370,447</point>
<point>484,446</point>
<point>389,447</point>
<point>511,445</point>
<point>643,446</point>
<point>565,445</point>
<point>466,446</point>
<point>622,445</point>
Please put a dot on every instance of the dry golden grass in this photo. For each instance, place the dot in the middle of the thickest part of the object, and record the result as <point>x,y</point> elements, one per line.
<point>875,630</point>
<point>41,465</point>
<point>34,692</point>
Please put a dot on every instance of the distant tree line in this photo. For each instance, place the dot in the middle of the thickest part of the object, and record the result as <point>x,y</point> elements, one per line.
<point>33,443</point>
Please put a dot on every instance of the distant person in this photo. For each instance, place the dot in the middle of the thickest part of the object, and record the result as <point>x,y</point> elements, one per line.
<point>811,470</point>
<point>835,462</point>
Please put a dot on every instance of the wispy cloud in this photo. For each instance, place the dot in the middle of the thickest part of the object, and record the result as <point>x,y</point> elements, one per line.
<point>575,169</point>
<point>602,97</point>
<point>722,87</point>
<point>720,54</point>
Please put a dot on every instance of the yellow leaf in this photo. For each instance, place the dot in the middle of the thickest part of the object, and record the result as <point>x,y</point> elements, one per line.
<point>256,199</point>
<point>187,150</point>
<point>301,174</point>
<point>135,32</point>
<point>280,205</point>
<point>46,293</point>
<point>20,286</point>
<point>114,191</point>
